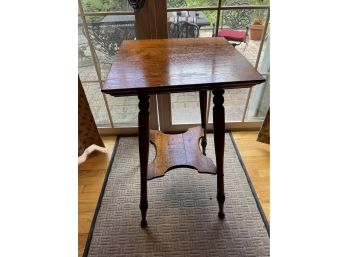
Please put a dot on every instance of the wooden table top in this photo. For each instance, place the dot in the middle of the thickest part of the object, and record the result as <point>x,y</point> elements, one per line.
<point>178,65</point>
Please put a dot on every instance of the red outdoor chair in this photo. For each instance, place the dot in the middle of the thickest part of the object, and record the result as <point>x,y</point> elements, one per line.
<point>237,36</point>
<point>235,25</point>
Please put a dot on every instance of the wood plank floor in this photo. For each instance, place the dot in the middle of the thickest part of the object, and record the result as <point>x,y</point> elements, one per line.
<point>256,158</point>
<point>91,176</point>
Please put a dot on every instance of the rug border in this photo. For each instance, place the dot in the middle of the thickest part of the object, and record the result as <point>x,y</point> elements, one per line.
<point>91,230</point>
<point>101,195</point>
<point>258,203</point>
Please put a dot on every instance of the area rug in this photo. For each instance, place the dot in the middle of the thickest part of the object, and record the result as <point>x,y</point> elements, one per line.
<point>182,212</point>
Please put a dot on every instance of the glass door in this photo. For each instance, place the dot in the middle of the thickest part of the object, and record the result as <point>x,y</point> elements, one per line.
<point>102,27</point>
<point>244,108</point>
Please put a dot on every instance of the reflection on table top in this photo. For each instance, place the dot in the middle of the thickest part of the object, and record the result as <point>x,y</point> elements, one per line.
<point>178,65</point>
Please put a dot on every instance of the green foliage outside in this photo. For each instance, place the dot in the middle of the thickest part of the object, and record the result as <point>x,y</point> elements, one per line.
<point>122,5</point>
<point>104,6</point>
<point>229,17</point>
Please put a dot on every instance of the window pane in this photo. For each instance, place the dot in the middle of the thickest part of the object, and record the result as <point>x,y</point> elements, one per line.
<point>105,5</point>
<point>204,20</point>
<point>234,103</point>
<point>96,103</point>
<point>260,97</point>
<point>242,20</point>
<point>87,70</point>
<point>259,102</point>
<point>124,110</point>
<point>107,34</point>
<point>208,30</point>
<point>191,3</point>
<point>185,108</point>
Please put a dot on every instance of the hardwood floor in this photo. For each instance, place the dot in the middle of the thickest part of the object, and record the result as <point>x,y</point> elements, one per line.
<point>91,176</point>
<point>256,158</point>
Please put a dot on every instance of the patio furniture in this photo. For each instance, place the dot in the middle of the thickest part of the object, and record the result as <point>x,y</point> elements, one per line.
<point>182,29</point>
<point>197,18</point>
<point>187,29</point>
<point>172,29</point>
<point>236,36</point>
<point>238,22</point>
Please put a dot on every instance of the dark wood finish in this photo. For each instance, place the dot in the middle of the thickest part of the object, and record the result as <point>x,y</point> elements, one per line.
<point>178,65</point>
<point>143,124</point>
<point>151,20</point>
<point>203,107</point>
<point>219,141</point>
<point>146,67</point>
<point>179,150</point>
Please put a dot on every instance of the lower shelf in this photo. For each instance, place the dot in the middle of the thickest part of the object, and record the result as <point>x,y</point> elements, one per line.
<point>178,150</point>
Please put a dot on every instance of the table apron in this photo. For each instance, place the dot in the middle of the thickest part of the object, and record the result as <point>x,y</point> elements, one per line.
<point>164,90</point>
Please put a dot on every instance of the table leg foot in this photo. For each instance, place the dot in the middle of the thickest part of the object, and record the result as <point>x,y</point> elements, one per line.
<point>221,201</point>
<point>143,224</point>
<point>204,145</point>
<point>144,140</point>
<point>143,208</point>
<point>219,138</point>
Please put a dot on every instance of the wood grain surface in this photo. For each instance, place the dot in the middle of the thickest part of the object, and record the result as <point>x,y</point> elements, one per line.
<point>178,150</point>
<point>256,157</point>
<point>178,65</point>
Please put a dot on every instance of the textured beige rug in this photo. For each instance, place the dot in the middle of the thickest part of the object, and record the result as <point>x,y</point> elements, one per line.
<point>182,213</point>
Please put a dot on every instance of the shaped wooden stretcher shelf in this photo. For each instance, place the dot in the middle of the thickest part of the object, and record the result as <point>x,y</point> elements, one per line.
<point>178,150</point>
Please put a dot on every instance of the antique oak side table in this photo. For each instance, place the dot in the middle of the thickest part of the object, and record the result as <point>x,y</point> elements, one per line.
<point>146,67</point>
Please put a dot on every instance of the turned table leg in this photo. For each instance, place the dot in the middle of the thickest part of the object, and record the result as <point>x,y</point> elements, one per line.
<point>219,138</point>
<point>143,127</point>
<point>203,107</point>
